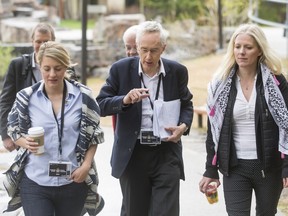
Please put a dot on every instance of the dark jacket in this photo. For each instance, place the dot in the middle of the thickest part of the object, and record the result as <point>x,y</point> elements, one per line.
<point>122,78</point>
<point>18,76</point>
<point>266,130</point>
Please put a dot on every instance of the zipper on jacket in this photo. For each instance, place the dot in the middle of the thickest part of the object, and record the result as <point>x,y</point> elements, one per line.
<point>262,104</point>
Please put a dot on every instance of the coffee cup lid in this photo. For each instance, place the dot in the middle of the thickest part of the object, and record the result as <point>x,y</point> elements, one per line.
<point>35,130</point>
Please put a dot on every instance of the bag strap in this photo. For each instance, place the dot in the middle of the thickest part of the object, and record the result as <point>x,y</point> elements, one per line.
<point>26,64</point>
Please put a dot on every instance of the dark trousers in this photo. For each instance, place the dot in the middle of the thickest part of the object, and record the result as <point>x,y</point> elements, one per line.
<point>150,183</point>
<point>240,183</point>
<point>67,200</point>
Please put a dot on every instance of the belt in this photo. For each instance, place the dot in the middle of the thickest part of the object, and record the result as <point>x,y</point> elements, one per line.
<point>149,145</point>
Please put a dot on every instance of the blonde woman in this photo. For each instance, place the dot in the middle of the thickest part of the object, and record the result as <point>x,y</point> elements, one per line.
<point>69,115</point>
<point>248,124</point>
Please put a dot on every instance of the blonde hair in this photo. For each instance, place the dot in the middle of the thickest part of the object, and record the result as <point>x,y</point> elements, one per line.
<point>268,57</point>
<point>55,51</point>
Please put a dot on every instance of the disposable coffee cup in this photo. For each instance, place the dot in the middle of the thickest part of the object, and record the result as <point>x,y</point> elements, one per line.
<point>37,133</point>
<point>212,193</point>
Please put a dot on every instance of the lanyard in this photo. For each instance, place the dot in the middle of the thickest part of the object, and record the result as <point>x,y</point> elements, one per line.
<point>158,89</point>
<point>60,129</point>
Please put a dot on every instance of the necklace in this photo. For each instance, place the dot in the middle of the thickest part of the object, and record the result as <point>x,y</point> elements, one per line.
<point>248,82</point>
<point>246,85</point>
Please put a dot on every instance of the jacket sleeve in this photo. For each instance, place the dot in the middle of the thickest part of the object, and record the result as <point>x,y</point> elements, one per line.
<point>211,170</point>
<point>8,94</point>
<point>284,90</point>
<point>109,99</point>
<point>186,110</point>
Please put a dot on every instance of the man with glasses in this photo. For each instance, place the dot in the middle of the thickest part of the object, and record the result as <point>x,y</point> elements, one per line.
<point>149,168</point>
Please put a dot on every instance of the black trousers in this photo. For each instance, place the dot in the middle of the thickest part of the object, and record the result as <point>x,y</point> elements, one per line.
<point>150,183</point>
<point>66,200</point>
<point>248,177</point>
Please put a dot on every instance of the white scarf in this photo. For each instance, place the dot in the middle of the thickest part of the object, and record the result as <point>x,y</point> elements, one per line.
<point>218,94</point>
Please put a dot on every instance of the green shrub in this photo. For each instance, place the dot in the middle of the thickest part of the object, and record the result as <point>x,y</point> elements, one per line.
<point>5,56</point>
<point>76,24</point>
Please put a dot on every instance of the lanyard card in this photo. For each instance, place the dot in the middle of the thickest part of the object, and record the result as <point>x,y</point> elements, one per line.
<point>60,168</point>
<point>147,137</point>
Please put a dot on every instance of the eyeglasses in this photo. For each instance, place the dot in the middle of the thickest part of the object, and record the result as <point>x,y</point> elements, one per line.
<point>154,51</point>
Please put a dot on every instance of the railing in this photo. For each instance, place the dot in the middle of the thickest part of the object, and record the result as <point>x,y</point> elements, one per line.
<point>253,14</point>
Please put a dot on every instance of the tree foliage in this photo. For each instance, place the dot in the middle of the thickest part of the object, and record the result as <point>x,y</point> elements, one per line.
<point>234,12</point>
<point>171,10</point>
<point>275,12</point>
<point>5,56</point>
<point>203,11</point>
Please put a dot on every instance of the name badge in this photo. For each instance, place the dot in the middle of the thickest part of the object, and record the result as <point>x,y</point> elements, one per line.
<point>60,168</point>
<point>147,137</point>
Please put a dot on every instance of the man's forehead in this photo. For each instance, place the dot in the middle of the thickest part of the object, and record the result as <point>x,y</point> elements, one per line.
<point>42,34</point>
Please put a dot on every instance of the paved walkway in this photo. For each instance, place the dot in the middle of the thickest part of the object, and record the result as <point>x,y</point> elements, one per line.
<point>192,202</point>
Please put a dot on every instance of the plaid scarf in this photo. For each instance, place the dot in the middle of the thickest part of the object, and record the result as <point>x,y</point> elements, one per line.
<point>218,95</point>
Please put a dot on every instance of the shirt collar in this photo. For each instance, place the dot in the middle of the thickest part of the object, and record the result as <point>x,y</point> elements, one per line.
<point>70,89</point>
<point>161,69</point>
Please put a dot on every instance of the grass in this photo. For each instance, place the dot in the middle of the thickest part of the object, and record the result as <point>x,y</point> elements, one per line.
<point>76,24</point>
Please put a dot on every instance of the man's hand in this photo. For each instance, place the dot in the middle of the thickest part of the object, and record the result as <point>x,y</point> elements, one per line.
<point>176,132</point>
<point>135,95</point>
<point>9,144</point>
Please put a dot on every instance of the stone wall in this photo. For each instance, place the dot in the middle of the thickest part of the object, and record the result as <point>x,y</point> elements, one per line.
<point>186,40</point>
<point>15,30</point>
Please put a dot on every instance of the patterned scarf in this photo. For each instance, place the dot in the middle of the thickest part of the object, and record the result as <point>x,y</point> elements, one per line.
<point>90,133</point>
<point>218,94</point>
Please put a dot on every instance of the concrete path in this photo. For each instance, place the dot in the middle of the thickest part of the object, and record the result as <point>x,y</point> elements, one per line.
<point>192,202</point>
<point>277,40</point>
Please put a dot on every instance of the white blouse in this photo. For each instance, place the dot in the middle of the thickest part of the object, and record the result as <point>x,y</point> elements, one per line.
<point>244,133</point>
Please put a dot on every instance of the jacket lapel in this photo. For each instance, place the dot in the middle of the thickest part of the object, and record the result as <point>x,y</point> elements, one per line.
<point>136,81</point>
<point>167,81</point>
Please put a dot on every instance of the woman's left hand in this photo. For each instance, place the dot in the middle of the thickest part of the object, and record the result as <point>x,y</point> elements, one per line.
<point>285,182</point>
<point>79,175</point>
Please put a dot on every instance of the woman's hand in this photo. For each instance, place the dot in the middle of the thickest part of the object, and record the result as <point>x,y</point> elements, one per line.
<point>30,145</point>
<point>203,184</point>
<point>79,175</point>
<point>285,182</point>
